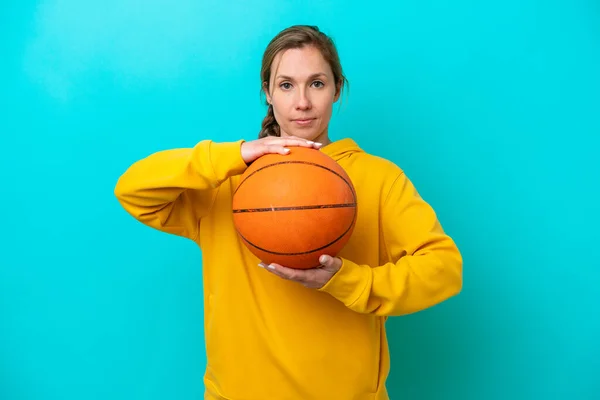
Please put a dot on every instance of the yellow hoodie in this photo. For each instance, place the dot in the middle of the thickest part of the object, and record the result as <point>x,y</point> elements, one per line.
<point>272,339</point>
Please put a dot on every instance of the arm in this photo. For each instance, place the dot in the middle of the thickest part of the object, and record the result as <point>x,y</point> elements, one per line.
<point>426,266</point>
<point>173,189</point>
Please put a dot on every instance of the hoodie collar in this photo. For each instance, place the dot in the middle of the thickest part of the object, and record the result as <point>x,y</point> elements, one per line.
<point>341,148</point>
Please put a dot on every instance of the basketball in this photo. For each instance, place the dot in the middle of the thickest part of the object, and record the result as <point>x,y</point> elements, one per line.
<point>291,209</point>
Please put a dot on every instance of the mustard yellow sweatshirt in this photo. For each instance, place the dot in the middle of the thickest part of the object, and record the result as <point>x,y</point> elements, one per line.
<point>272,339</point>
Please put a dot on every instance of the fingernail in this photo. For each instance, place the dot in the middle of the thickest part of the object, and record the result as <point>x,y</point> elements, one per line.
<point>262,265</point>
<point>270,266</point>
<point>319,144</point>
<point>286,150</point>
<point>310,142</point>
<point>323,259</point>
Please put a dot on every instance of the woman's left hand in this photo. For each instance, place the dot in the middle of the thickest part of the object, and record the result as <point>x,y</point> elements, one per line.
<point>313,278</point>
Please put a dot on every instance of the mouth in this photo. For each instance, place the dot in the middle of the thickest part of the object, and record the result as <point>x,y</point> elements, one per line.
<point>304,121</point>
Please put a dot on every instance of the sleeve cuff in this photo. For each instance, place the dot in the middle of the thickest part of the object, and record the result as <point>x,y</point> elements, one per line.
<point>226,159</point>
<point>349,283</point>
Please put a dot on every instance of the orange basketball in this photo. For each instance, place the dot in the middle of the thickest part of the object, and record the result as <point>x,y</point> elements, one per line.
<point>290,209</point>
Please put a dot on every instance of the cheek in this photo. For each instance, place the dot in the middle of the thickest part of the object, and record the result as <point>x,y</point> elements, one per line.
<point>281,107</point>
<point>326,108</point>
<point>280,116</point>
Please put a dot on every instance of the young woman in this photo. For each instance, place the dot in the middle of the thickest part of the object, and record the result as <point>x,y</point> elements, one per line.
<point>278,333</point>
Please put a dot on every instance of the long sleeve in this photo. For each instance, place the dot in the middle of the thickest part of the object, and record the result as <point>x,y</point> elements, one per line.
<point>173,189</point>
<point>425,266</point>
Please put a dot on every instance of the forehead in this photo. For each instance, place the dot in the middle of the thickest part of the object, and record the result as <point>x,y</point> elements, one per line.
<point>299,63</point>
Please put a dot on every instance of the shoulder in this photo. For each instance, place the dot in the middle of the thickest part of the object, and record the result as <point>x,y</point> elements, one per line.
<point>370,172</point>
<point>381,163</point>
<point>373,176</point>
<point>376,167</point>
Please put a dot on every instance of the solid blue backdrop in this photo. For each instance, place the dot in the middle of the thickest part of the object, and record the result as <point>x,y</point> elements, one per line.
<point>492,109</point>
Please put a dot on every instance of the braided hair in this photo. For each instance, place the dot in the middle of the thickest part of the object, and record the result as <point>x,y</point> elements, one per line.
<point>270,127</point>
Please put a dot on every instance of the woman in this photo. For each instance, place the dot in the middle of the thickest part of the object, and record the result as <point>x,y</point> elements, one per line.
<point>280,333</point>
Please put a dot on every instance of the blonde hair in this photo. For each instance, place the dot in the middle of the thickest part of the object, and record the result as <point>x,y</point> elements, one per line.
<point>295,37</point>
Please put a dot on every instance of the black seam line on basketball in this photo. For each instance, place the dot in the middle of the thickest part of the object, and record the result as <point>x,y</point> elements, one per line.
<point>291,208</point>
<point>298,162</point>
<point>308,251</point>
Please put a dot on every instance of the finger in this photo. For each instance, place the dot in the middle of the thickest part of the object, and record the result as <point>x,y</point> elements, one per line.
<point>291,142</point>
<point>296,141</point>
<point>302,142</point>
<point>273,268</point>
<point>283,272</point>
<point>310,143</point>
<point>286,137</point>
<point>330,263</point>
<point>276,149</point>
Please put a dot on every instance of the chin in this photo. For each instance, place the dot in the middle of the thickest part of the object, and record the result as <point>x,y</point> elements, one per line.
<point>307,135</point>
<point>302,133</point>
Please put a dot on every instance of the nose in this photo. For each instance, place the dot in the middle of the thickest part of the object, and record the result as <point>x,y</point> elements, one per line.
<point>303,101</point>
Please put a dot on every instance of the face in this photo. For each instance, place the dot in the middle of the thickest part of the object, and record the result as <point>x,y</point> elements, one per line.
<point>302,93</point>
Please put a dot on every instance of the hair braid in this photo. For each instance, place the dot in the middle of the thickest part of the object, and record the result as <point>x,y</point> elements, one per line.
<point>270,127</point>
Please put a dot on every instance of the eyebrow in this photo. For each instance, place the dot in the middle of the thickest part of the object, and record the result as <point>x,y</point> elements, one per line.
<point>313,76</point>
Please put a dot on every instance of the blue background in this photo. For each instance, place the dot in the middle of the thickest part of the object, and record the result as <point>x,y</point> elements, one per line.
<point>492,108</point>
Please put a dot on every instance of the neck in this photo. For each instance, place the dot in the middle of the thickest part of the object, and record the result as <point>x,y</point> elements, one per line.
<point>323,138</point>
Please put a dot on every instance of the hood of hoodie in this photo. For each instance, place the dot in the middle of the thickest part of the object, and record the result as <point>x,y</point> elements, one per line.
<point>341,149</point>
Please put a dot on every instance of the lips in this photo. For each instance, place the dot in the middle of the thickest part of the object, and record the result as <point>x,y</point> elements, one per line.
<point>303,119</point>
<point>304,122</point>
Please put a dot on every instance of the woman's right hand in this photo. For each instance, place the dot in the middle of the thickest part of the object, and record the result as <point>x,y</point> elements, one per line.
<point>273,145</point>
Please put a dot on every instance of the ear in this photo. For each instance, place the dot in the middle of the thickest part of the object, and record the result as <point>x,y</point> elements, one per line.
<point>338,91</point>
<point>265,87</point>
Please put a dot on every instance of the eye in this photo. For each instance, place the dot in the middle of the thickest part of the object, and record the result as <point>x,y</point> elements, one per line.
<point>318,84</point>
<point>285,85</point>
